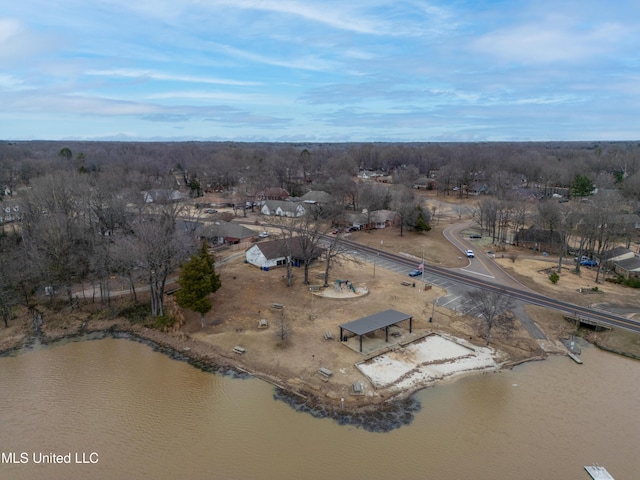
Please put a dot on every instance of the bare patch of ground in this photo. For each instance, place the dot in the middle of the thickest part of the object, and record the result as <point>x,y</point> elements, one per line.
<point>248,295</point>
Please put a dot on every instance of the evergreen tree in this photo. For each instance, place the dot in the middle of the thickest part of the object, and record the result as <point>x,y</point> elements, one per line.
<point>214,279</point>
<point>582,186</point>
<point>421,224</point>
<point>197,280</point>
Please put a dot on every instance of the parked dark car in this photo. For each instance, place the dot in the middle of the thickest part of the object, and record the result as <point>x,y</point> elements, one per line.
<point>415,273</point>
<point>475,235</point>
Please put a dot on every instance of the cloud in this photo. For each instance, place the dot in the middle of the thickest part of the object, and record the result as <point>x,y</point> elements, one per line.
<point>152,75</point>
<point>545,42</point>
<point>18,44</point>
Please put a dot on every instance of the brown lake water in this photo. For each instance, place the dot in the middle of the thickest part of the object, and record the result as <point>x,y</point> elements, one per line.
<point>145,416</point>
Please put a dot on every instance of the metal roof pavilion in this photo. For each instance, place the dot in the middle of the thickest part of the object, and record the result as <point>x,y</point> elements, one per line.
<point>379,320</point>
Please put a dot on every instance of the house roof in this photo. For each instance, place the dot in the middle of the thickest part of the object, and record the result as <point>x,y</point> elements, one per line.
<point>424,181</point>
<point>383,215</point>
<point>275,192</point>
<point>630,264</point>
<point>279,248</point>
<point>273,205</point>
<point>228,230</point>
<point>355,217</point>
<point>616,252</point>
<point>317,196</point>
<point>526,193</point>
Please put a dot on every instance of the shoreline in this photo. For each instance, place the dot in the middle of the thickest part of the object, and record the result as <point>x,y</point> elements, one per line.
<point>375,414</point>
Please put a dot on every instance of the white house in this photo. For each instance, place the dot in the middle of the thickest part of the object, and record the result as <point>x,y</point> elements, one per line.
<point>162,196</point>
<point>282,208</point>
<point>266,255</point>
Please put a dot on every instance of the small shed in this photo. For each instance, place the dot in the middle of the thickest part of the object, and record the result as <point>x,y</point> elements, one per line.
<point>377,321</point>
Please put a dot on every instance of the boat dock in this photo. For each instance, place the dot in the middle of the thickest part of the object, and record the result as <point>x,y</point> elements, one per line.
<point>575,358</point>
<point>598,473</point>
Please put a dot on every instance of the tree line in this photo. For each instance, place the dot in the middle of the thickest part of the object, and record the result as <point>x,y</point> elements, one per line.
<point>83,218</point>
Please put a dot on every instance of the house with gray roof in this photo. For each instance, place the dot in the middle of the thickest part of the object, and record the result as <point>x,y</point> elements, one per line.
<point>368,221</point>
<point>228,233</point>
<point>317,197</point>
<point>617,254</point>
<point>275,253</point>
<point>629,267</point>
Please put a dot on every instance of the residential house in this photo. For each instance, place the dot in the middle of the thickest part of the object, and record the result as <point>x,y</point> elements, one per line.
<point>539,240</point>
<point>275,253</point>
<point>628,268</point>
<point>228,233</point>
<point>477,188</point>
<point>385,218</point>
<point>282,208</point>
<point>424,183</point>
<point>157,195</point>
<point>526,194</point>
<point>273,193</point>
<point>317,197</point>
<point>356,220</point>
<point>371,220</point>
<point>617,254</point>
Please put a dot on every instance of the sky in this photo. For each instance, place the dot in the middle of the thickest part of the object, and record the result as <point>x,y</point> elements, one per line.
<point>320,71</point>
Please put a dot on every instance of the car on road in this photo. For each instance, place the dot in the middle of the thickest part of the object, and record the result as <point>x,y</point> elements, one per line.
<point>475,235</point>
<point>211,210</point>
<point>415,273</point>
<point>469,254</point>
<point>263,234</point>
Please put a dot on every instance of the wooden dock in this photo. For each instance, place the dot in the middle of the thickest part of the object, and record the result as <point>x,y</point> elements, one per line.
<point>575,358</point>
<point>598,473</point>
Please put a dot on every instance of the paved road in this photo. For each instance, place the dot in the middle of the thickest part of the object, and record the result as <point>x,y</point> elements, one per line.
<point>458,281</point>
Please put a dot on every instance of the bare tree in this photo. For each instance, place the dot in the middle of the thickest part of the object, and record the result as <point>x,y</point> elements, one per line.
<point>56,230</point>
<point>283,330</point>
<point>491,306</point>
<point>160,249</point>
<point>404,203</point>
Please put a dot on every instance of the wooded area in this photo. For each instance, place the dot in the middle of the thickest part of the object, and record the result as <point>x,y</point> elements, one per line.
<point>83,212</point>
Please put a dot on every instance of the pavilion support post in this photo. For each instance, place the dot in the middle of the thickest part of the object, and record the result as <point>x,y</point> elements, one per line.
<point>341,337</point>
<point>386,334</point>
<point>360,343</point>
<point>410,324</point>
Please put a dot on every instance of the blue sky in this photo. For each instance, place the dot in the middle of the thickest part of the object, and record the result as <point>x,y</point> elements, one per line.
<point>330,71</point>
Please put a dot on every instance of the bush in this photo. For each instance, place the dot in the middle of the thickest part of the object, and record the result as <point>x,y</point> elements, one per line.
<point>554,277</point>
<point>138,312</point>
<point>163,322</point>
<point>632,282</point>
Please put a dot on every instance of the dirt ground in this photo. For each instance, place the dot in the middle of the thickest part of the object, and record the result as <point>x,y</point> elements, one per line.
<point>248,295</point>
